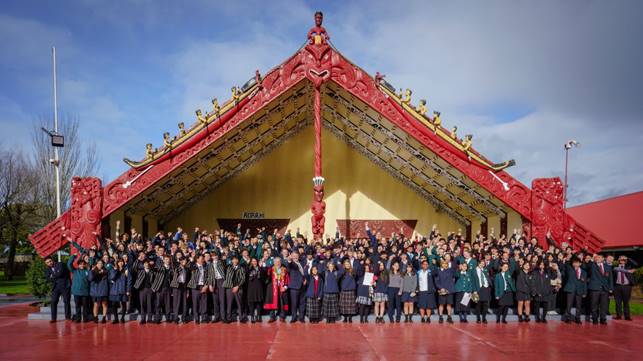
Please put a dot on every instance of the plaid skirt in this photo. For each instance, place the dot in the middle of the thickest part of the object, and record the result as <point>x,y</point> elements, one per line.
<point>380,297</point>
<point>313,308</point>
<point>347,305</point>
<point>330,305</point>
<point>363,300</point>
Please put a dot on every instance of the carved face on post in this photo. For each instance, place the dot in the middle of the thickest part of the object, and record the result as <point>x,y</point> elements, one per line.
<point>319,18</point>
<point>318,193</point>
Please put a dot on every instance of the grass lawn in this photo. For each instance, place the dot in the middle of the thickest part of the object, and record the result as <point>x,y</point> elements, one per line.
<point>636,307</point>
<point>17,286</point>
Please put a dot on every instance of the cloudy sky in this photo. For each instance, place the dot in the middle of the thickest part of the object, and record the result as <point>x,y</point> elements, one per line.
<point>522,76</point>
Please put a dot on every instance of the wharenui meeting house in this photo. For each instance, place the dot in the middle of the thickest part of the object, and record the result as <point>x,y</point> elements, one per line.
<point>316,143</point>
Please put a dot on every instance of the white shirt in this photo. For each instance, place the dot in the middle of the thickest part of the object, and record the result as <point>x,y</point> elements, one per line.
<point>482,277</point>
<point>423,279</point>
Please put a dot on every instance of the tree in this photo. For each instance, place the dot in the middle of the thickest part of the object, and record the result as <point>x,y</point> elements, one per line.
<point>19,193</point>
<point>38,284</point>
<point>76,159</point>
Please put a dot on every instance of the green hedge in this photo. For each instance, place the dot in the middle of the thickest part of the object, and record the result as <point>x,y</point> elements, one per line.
<point>36,279</point>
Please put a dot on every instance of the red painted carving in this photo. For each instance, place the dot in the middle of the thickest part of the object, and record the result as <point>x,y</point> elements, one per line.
<point>548,216</point>
<point>86,211</point>
<point>50,238</point>
<point>356,228</point>
<point>318,209</point>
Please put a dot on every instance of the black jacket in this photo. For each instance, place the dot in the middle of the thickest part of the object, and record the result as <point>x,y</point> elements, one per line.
<point>58,275</point>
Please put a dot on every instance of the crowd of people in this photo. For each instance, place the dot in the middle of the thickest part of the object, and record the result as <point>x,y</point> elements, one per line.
<point>231,276</point>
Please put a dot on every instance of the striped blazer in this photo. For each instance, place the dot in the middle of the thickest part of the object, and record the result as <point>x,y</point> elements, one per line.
<point>194,275</point>
<point>234,277</point>
<point>174,283</point>
<point>140,277</point>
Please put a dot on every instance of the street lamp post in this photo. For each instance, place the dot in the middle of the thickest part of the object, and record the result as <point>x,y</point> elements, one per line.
<point>569,145</point>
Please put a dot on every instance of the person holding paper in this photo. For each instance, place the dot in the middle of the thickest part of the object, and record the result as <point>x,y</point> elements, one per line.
<point>364,299</point>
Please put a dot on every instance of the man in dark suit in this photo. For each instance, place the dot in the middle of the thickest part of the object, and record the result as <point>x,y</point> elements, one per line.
<point>296,287</point>
<point>599,286</point>
<point>575,289</point>
<point>199,289</point>
<point>217,277</point>
<point>178,284</point>
<point>162,290</point>
<point>623,281</point>
<point>58,275</point>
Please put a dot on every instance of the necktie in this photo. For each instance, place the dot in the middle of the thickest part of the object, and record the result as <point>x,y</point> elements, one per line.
<point>621,277</point>
<point>578,273</point>
<point>602,270</point>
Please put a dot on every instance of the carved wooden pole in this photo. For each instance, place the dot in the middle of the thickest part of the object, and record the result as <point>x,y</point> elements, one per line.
<point>318,206</point>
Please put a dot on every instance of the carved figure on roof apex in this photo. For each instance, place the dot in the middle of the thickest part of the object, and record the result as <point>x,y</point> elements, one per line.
<point>379,77</point>
<point>454,133</point>
<point>200,117</point>
<point>422,107</point>
<point>467,142</point>
<point>258,79</point>
<point>317,34</point>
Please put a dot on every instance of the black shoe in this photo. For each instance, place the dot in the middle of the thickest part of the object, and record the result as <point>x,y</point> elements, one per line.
<point>617,317</point>
<point>293,320</point>
<point>603,322</point>
<point>115,322</point>
<point>544,320</point>
<point>350,320</point>
<point>104,320</point>
<point>484,321</point>
<point>441,320</point>
<point>527,319</point>
<point>345,320</point>
<point>595,322</point>
<point>272,319</point>
<point>244,320</point>
<point>449,319</point>
<point>578,321</point>
<point>252,319</point>
<point>504,320</point>
<point>422,320</point>
<point>519,318</point>
<point>628,319</point>
<point>142,321</point>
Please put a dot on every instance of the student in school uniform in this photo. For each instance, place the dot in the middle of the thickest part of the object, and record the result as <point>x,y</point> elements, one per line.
<point>504,292</point>
<point>395,280</point>
<point>120,284</point>
<point>542,291</point>
<point>256,285</point>
<point>330,301</point>
<point>143,283</point>
<point>524,290</point>
<point>99,289</point>
<point>198,285</point>
<point>426,291</point>
<point>348,287</point>
<point>575,290</point>
<point>162,290</point>
<point>178,284</point>
<point>408,292</point>
<point>314,294</point>
<point>235,277</point>
<point>463,285</point>
<point>482,287</point>
<point>80,289</point>
<point>364,293</point>
<point>380,295</point>
<point>445,282</point>
<point>599,286</point>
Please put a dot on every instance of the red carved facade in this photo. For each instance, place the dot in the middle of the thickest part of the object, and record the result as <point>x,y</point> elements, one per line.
<point>541,209</point>
<point>86,211</point>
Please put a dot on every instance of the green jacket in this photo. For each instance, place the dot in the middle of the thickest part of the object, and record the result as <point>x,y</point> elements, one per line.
<point>500,284</point>
<point>79,281</point>
<point>464,282</point>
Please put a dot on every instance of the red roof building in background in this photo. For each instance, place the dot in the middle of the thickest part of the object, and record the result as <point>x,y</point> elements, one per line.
<point>616,220</point>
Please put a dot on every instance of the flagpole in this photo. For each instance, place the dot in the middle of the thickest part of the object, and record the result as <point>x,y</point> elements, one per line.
<point>56,159</point>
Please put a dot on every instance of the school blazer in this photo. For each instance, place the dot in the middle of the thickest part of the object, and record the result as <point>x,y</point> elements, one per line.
<point>500,284</point>
<point>140,277</point>
<point>310,291</point>
<point>575,285</point>
<point>194,275</point>
<point>598,281</point>
<point>174,283</point>
<point>477,282</point>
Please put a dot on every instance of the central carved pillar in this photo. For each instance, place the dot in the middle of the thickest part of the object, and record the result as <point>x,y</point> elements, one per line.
<point>318,206</point>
